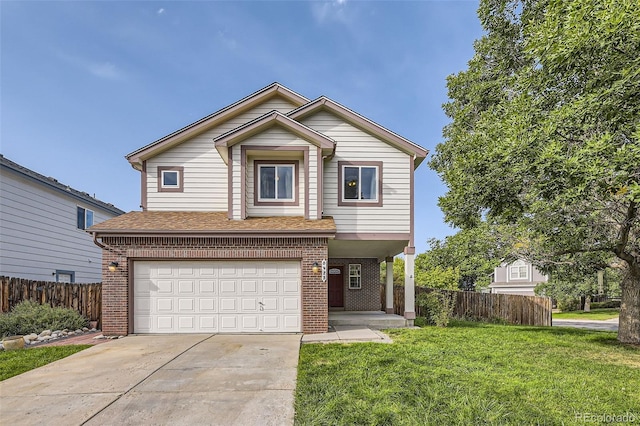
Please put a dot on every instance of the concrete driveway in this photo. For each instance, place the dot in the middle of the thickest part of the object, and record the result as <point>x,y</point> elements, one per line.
<point>163,379</point>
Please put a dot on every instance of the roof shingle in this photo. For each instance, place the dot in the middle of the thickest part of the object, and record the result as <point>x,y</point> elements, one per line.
<point>172,222</point>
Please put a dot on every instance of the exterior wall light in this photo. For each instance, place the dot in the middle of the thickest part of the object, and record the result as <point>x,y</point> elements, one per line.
<point>315,268</point>
<point>113,266</point>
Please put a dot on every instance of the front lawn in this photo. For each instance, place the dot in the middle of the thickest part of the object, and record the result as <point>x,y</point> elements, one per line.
<point>594,314</point>
<point>469,373</point>
<point>17,362</point>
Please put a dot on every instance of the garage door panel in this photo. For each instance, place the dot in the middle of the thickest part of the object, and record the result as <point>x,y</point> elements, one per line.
<point>186,305</point>
<point>207,287</point>
<point>269,286</point>
<point>207,304</point>
<point>163,286</point>
<point>291,322</point>
<point>249,287</point>
<point>208,323</point>
<point>216,296</point>
<point>290,304</point>
<point>228,305</point>
<point>186,287</point>
<point>228,287</point>
<point>164,305</point>
<point>164,323</point>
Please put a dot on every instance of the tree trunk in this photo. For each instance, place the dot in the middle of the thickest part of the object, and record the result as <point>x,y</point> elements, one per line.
<point>629,329</point>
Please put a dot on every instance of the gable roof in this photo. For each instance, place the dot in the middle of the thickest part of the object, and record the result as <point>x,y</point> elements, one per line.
<point>369,126</point>
<point>275,89</point>
<point>266,121</point>
<point>58,187</point>
<point>211,223</point>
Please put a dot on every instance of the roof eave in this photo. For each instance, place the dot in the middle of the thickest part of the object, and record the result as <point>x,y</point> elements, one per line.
<point>138,156</point>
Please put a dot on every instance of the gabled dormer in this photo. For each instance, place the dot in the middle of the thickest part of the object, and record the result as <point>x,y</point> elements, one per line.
<point>274,166</point>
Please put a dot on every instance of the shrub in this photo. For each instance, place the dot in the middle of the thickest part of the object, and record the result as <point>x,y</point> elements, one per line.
<point>569,304</point>
<point>31,317</point>
<point>608,304</point>
<point>437,306</point>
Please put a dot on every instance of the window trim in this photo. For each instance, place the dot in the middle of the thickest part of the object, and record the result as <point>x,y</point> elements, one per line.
<point>517,266</point>
<point>84,219</point>
<point>179,187</point>
<point>71,274</point>
<point>256,182</point>
<point>359,276</point>
<point>359,203</point>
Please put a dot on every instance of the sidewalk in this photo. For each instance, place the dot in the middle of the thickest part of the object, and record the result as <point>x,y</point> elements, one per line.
<point>604,325</point>
<point>347,334</point>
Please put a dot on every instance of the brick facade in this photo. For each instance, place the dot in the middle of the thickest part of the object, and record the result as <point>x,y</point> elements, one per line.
<point>117,286</point>
<point>366,298</point>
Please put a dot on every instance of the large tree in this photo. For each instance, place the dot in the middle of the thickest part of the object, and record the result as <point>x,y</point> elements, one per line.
<point>545,135</point>
<point>473,252</point>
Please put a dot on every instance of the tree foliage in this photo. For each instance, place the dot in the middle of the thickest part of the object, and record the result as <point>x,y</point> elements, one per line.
<point>472,252</point>
<point>545,136</point>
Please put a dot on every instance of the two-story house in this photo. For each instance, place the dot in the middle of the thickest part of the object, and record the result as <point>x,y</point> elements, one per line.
<point>261,217</point>
<point>42,228</point>
<point>517,277</point>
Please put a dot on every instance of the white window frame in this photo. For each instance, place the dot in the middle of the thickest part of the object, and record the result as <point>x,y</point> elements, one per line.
<point>88,214</point>
<point>355,272</point>
<point>519,271</point>
<point>359,182</point>
<point>178,171</point>
<point>290,166</point>
<point>163,173</point>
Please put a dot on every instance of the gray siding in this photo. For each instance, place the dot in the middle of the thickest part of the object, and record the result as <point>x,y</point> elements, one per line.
<point>38,233</point>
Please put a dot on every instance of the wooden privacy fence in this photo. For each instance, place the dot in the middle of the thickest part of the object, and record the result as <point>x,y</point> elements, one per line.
<point>84,298</point>
<point>511,308</point>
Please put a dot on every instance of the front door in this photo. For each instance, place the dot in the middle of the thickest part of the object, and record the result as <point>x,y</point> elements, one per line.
<point>336,287</point>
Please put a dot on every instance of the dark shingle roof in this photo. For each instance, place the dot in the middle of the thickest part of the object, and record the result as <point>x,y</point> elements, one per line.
<point>57,186</point>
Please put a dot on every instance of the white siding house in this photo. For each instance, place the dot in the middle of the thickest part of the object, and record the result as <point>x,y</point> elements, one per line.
<point>42,228</point>
<point>518,277</point>
<point>262,217</point>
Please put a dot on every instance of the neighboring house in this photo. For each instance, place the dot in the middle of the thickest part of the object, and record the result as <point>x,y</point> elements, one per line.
<point>260,218</point>
<point>42,228</point>
<point>519,277</point>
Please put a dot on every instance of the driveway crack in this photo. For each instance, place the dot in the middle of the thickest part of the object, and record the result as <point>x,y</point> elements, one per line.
<point>146,377</point>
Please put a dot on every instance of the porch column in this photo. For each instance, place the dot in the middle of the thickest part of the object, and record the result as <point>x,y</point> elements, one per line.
<point>409,286</point>
<point>389,286</point>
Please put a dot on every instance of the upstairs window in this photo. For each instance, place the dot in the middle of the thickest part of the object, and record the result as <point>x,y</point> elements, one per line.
<point>360,183</point>
<point>519,270</point>
<point>170,179</point>
<point>276,183</point>
<point>84,218</point>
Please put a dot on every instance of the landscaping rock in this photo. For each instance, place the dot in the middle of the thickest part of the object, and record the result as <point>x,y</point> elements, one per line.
<point>13,342</point>
<point>45,333</point>
<point>78,331</point>
<point>1,347</point>
<point>99,337</point>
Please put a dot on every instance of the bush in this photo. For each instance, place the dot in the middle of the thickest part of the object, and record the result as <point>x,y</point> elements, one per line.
<point>437,307</point>
<point>604,305</point>
<point>31,317</point>
<point>569,304</point>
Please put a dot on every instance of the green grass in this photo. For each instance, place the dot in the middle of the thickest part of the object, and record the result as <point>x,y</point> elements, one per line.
<point>17,362</point>
<point>594,314</point>
<point>467,374</point>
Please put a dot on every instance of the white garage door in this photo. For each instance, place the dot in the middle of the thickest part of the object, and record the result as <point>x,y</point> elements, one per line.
<point>216,296</point>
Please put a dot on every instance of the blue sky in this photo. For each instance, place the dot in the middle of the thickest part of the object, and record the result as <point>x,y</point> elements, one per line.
<point>85,83</point>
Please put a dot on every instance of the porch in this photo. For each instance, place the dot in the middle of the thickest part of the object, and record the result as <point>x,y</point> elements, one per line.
<point>372,319</point>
